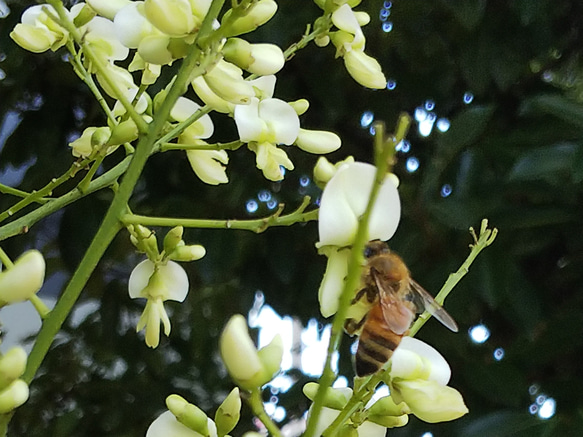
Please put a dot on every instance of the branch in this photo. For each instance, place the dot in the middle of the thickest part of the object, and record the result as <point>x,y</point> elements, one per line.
<point>254,225</point>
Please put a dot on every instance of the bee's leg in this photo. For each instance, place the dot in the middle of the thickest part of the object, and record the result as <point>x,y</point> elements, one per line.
<point>351,326</point>
<point>371,295</point>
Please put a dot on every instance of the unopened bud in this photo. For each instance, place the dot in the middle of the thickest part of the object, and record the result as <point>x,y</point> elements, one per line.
<point>24,279</point>
<point>188,414</point>
<point>271,356</point>
<point>172,238</point>
<point>335,398</point>
<point>187,253</point>
<point>12,366</point>
<point>13,396</point>
<point>228,413</point>
<point>260,13</point>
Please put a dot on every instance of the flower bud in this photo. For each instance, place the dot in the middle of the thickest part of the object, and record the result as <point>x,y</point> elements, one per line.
<point>108,8</point>
<point>154,49</point>
<point>335,398</point>
<point>386,406</point>
<point>259,13</point>
<point>23,279</point>
<point>13,396</point>
<point>261,59</point>
<point>167,425</point>
<point>226,81</point>
<point>12,366</point>
<point>187,253</point>
<point>389,421</point>
<point>317,141</point>
<point>172,238</point>
<point>364,69</point>
<point>32,38</point>
<point>209,97</point>
<point>228,413</point>
<point>124,132</point>
<point>188,414</point>
<point>240,355</point>
<point>173,17</point>
<point>300,106</point>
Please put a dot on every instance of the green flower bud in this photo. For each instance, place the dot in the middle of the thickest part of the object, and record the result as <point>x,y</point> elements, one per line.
<point>125,132</point>
<point>84,16</point>
<point>13,396</point>
<point>300,106</point>
<point>100,136</point>
<point>389,421</point>
<point>271,355</point>
<point>24,279</point>
<point>188,414</point>
<point>12,366</point>
<point>188,253</point>
<point>173,238</point>
<point>259,13</point>
<point>240,355</point>
<point>228,413</point>
<point>386,406</point>
<point>335,398</point>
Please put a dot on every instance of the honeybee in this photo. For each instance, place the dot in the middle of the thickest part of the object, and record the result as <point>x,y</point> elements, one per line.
<point>394,299</point>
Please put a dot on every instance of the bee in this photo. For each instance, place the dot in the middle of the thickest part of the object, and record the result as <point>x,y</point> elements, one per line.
<point>393,300</point>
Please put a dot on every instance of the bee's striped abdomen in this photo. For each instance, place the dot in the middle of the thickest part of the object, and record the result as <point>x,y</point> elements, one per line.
<point>376,344</point>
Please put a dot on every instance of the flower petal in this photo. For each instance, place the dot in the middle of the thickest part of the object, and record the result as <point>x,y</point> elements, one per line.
<point>333,280</point>
<point>281,119</point>
<point>414,359</point>
<point>344,200</point>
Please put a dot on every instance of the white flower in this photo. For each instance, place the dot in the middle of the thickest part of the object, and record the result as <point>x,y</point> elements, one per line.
<point>261,59</point>
<point>366,429</point>
<point>37,32</point>
<point>269,120</point>
<point>344,201</point>
<point>157,284</point>
<point>419,377</point>
<point>345,19</point>
<point>226,81</point>
<point>270,160</point>
<point>333,281</point>
<point>100,34</point>
<point>209,165</point>
<point>107,8</point>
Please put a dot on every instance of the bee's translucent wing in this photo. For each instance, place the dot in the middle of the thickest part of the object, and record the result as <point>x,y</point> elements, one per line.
<point>396,312</point>
<point>425,300</point>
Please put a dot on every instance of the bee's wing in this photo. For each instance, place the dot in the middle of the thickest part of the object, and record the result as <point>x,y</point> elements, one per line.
<point>421,296</point>
<point>396,314</point>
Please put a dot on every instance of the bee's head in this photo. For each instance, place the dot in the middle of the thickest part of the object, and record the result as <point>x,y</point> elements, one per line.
<point>374,248</point>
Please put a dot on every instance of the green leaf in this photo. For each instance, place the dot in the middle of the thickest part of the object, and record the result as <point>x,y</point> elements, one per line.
<point>555,105</point>
<point>547,163</point>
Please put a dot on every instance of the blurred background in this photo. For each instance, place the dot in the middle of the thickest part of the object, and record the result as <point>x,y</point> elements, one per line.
<point>495,89</point>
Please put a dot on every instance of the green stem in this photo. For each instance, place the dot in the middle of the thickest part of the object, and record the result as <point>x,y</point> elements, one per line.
<point>24,223</point>
<point>233,145</point>
<point>5,189</point>
<point>40,307</point>
<point>485,238</point>
<point>256,404</point>
<point>383,146</point>
<point>5,259</point>
<point>254,225</point>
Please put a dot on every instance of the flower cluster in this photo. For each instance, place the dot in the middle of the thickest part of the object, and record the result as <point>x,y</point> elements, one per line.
<point>158,33</point>
<point>349,42</point>
<point>160,278</point>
